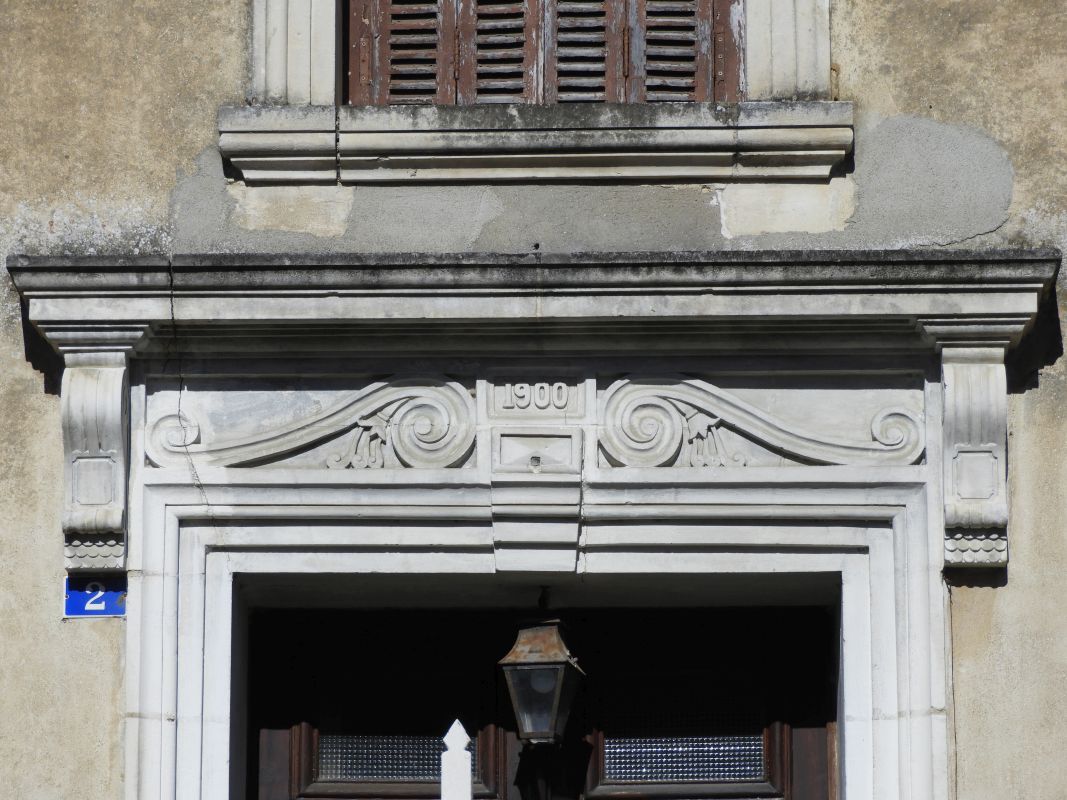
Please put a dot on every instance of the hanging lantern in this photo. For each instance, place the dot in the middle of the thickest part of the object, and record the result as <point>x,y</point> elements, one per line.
<point>542,677</point>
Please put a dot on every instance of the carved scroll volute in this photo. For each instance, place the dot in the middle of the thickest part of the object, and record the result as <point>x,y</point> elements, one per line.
<point>975,456</point>
<point>415,422</point>
<point>96,449</point>
<point>673,422</point>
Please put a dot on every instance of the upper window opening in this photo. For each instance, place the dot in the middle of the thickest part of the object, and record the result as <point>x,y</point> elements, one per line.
<point>467,52</point>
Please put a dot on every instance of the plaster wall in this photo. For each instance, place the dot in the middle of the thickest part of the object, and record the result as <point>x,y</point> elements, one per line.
<point>107,144</point>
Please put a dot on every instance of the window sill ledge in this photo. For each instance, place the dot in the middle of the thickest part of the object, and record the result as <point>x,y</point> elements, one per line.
<point>762,141</point>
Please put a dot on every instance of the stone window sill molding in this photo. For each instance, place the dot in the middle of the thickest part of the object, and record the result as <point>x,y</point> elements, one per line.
<point>753,141</point>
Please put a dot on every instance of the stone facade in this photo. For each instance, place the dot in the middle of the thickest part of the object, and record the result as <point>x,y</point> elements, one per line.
<point>111,159</point>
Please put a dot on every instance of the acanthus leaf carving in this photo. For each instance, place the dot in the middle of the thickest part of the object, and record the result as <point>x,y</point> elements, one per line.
<point>422,423</point>
<point>680,421</point>
<point>707,445</point>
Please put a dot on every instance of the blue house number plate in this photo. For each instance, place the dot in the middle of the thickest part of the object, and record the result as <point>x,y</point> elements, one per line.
<point>94,596</point>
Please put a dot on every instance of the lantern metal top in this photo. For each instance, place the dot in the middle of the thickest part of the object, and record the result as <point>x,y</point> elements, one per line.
<point>539,644</point>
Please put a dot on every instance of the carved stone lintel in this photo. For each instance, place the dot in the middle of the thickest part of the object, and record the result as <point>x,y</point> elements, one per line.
<point>676,421</point>
<point>418,422</point>
<point>975,456</point>
<point>95,447</point>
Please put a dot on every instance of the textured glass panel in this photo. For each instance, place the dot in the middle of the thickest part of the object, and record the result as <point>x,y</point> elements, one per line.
<point>704,759</point>
<point>382,758</point>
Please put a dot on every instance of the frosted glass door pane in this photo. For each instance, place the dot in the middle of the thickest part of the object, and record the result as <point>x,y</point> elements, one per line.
<point>381,758</point>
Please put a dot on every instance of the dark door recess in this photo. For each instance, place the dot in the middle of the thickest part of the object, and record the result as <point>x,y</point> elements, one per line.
<point>679,703</point>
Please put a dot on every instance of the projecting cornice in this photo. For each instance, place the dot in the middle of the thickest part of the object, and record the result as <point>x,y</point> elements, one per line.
<point>831,299</point>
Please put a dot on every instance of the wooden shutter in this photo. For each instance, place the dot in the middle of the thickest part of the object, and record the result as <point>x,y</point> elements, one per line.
<point>541,51</point>
<point>403,52</point>
<point>585,56</point>
<point>500,46</point>
<point>640,51</point>
<point>671,51</point>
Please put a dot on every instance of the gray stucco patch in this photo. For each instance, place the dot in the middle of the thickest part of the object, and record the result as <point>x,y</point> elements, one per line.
<point>918,181</point>
<point>925,182</point>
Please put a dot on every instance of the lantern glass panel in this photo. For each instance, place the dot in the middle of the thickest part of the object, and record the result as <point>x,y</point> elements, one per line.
<point>534,692</point>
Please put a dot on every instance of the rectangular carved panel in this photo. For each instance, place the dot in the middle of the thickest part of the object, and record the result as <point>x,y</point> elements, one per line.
<point>975,456</point>
<point>95,444</point>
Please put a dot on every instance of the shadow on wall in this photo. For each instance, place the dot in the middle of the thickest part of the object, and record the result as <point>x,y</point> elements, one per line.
<point>970,578</point>
<point>1042,347</point>
<point>40,355</point>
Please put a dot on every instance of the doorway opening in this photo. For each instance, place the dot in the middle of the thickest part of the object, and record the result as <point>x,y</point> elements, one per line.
<point>737,702</point>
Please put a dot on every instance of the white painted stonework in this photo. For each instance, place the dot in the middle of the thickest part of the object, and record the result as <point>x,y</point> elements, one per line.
<point>294,52</point>
<point>787,49</point>
<point>668,429</point>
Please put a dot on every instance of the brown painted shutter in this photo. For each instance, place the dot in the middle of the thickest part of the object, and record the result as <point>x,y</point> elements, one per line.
<point>585,56</point>
<point>727,66</point>
<point>403,52</point>
<point>500,45</point>
<point>671,51</point>
<point>541,51</point>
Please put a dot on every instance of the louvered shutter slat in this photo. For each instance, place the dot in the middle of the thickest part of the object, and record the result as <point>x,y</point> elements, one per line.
<point>672,51</point>
<point>541,51</point>
<point>584,58</point>
<point>498,48</point>
<point>406,52</point>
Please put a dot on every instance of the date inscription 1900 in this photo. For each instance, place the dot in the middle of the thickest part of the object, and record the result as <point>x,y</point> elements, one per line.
<point>544,396</point>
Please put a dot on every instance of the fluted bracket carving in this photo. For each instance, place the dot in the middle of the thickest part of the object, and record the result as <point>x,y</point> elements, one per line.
<point>975,456</point>
<point>96,450</point>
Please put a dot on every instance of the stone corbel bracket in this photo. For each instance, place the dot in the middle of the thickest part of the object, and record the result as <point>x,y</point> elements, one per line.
<point>94,408</point>
<point>96,450</point>
<point>975,456</point>
<point>975,436</point>
<point>95,416</point>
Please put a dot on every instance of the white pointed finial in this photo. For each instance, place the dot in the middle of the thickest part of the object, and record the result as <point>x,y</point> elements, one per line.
<point>457,737</point>
<point>456,764</point>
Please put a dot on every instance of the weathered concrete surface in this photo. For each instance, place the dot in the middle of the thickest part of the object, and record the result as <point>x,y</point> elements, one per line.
<point>999,68</point>
<point>60,682</point>
<point>107,137</point>
<point>916,182</point>
<point>102,103</point>
<point>1009,642</point>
